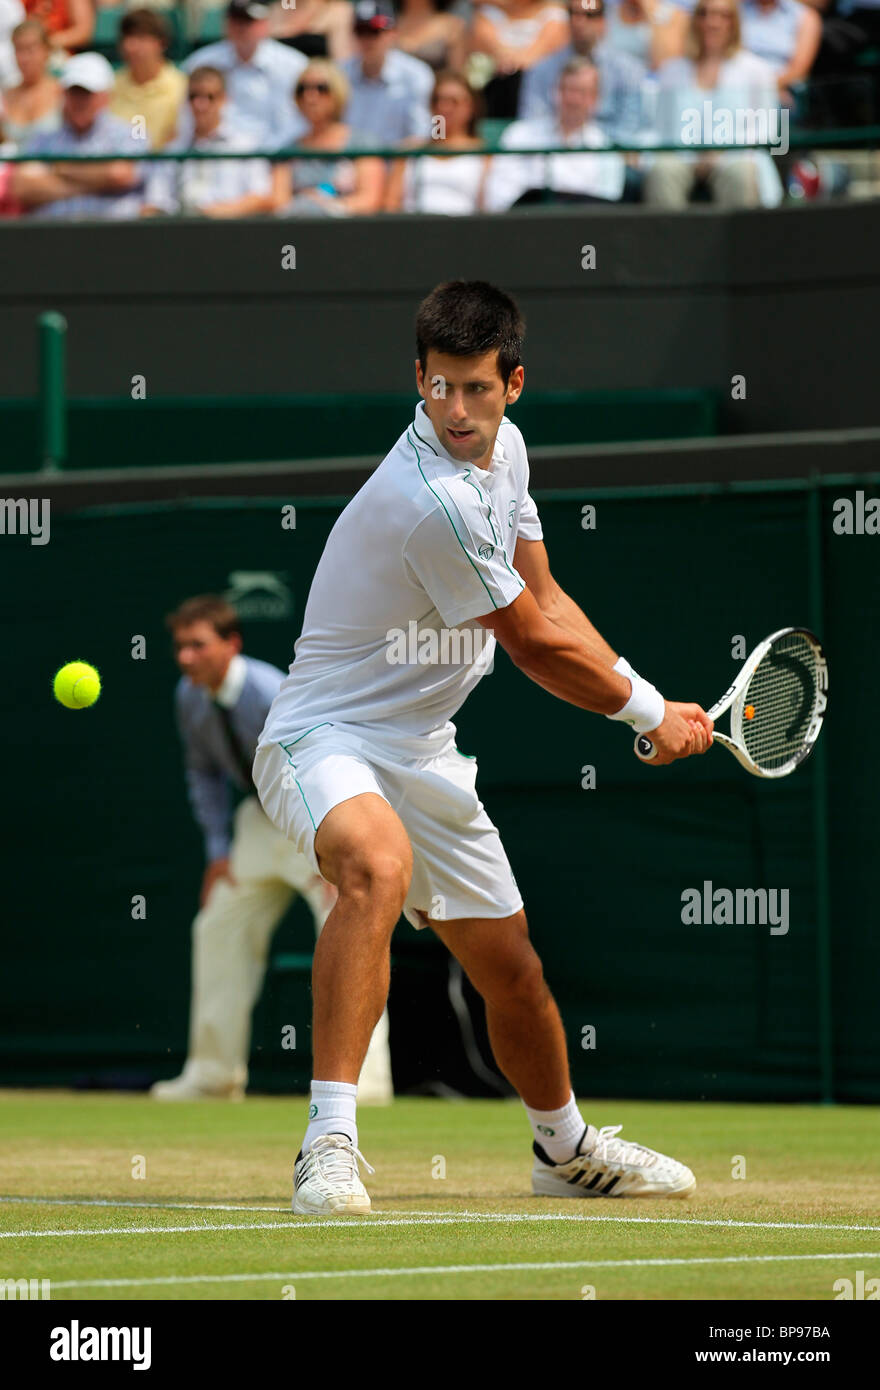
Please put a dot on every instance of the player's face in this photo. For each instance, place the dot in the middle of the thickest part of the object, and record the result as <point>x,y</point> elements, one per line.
<point>202,654</point>
<point>466,399</point>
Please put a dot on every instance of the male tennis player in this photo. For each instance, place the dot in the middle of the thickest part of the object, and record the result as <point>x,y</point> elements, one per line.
<point>357,763</point>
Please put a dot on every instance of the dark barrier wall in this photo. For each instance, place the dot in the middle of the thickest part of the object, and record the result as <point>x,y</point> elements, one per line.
<point>787,299</point>
<point>95,814</point>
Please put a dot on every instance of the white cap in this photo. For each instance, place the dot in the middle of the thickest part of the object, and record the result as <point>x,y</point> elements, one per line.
<point>89,70</point>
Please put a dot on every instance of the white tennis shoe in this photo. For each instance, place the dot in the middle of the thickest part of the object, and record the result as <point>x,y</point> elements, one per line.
<point>605,1166</point>
<point>326,1181</point>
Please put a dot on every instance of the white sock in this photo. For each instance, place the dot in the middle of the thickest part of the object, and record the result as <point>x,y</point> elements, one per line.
<point>332,1111</point>
<point>558,1131</point>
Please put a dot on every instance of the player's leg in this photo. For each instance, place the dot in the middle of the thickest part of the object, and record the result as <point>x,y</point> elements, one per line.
<point>572,1158</point>
<point>323,795</point>
<point>375,1086</point>
<point>463,887</point>
<point>362,848</point>
<point>525,1029</point>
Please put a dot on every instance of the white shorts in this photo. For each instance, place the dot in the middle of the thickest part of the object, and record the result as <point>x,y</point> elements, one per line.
<point>459,865</point>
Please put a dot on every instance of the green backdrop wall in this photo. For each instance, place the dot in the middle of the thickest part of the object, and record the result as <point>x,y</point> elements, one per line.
<point>95,812</point>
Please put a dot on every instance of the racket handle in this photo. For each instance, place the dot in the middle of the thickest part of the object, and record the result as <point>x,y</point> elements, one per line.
<point>644,748</point>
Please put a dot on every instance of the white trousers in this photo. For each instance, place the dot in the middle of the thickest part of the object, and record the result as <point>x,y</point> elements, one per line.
<point>231,937</point>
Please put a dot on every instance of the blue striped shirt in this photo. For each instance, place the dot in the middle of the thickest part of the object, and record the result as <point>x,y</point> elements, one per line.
<point>211,768</point>
<point>619,111</point>
<point>394,105</point>
<point>106,135</point>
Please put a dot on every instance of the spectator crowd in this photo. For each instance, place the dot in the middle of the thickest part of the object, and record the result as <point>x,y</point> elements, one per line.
<point>308,90</point>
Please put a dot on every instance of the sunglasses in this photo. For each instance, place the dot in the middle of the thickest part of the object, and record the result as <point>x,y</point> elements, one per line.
<point>322,87</point>
<point>206,96</point>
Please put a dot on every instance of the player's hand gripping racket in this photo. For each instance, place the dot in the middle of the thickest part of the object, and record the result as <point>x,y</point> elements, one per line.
<point>777,704</point>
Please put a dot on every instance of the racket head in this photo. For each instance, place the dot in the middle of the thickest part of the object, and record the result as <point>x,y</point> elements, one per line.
<point>777,711</point>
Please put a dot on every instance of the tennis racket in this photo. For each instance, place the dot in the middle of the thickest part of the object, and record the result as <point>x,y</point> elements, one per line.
<point>777,704</point>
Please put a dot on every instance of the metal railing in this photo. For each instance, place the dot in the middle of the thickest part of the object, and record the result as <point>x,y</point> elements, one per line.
<point>850,138</point>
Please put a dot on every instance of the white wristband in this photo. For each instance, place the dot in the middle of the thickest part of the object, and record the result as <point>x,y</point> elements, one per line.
<point>645,709</point>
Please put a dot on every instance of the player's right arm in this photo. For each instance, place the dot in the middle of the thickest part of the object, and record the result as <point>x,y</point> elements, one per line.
<point>579,669</point>
<point>453,554</point>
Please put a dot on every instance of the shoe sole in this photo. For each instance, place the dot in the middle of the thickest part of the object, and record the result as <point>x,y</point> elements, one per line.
<point>544,1187</point>
<point>359,1208</point>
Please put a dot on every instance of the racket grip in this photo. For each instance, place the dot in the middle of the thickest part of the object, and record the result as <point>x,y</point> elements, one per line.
<point>644,748</point>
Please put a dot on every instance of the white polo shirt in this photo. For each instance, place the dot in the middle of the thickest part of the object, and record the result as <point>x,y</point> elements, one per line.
<point>427,540</point>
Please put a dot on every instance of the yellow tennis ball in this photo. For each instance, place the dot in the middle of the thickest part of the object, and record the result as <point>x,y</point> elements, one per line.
<point>77,685</point>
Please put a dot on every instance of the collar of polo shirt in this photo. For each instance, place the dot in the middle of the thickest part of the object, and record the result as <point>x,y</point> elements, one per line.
<point>486,475</point>
<point>229,693</point>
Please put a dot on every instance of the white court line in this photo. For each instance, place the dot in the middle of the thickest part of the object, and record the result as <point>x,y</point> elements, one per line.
<point>447,1269</point>
<point>433,1219</point>
<point>161,1206</point>
<point>396,1216</point>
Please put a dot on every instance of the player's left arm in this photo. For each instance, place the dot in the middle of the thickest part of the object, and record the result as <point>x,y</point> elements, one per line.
<point>532,564</point>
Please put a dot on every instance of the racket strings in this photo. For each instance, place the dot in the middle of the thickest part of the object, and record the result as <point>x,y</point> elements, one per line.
<point>779,702</point>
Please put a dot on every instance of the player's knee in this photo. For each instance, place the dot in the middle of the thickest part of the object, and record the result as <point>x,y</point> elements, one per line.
<point>517,982</point>
<point>376,878</point>
<point>528,986</point>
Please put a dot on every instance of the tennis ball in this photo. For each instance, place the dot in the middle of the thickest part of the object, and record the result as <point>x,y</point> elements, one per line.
<point>77,685</point>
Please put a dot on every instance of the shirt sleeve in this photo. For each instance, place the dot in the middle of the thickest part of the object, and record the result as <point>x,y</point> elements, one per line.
<point>457,556</point>
<point>529,525</point>
<point>529,528</point>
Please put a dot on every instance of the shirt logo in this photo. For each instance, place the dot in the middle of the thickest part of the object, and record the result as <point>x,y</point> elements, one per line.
<point>486,552</point>
<point>510,513</point>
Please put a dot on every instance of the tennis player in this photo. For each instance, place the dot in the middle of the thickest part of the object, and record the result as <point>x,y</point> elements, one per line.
<point>357,764</point>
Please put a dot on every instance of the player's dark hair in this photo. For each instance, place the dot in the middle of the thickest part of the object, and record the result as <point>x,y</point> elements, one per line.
<point>206,608</point>
<point>466,318</point>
